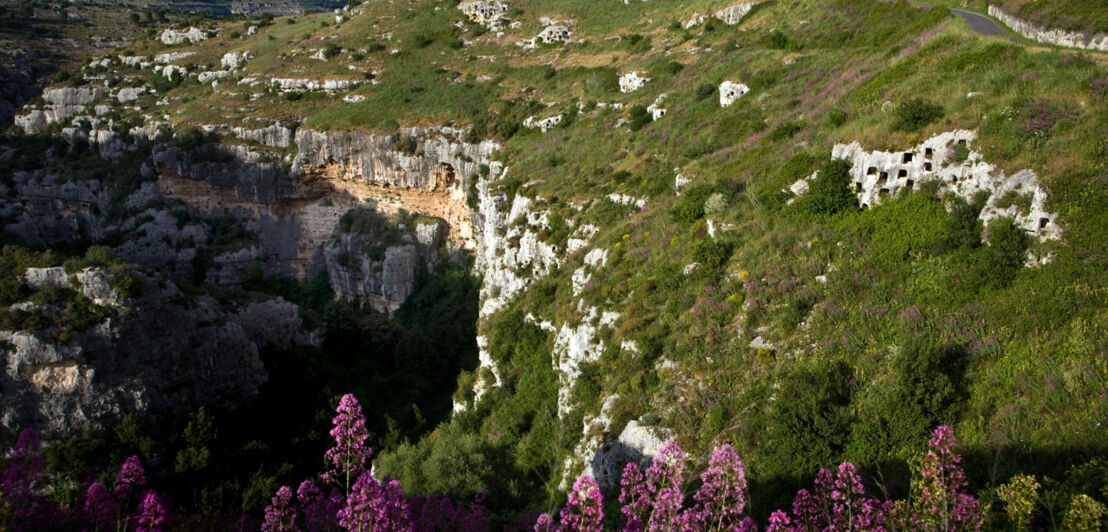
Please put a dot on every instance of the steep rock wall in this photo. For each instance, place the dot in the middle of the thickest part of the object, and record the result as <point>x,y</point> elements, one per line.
<point>157,356</point>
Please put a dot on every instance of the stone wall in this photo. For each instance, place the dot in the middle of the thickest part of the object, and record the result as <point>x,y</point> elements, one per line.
<point>1057,37</point>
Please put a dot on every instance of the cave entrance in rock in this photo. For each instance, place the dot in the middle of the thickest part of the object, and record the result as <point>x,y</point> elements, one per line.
<point>446,175</point>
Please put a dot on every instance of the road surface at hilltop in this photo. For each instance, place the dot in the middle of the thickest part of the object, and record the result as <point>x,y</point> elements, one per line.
<point>983,25</point>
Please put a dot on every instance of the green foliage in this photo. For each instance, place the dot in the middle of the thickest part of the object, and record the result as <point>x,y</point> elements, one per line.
<point>916,113</point>
<point>926,390</point>
<point>453,462</point>
<point>199,434</point>
<point>191,137</point>
<point>810,420</point>
<point>785,131</point>
<point>639,116</point>
<point>704,90</point>
<point>829,193</point>
<point>1007,249</point>
<point>331,50</point>
<point>690,206</point>
<point>906,227</point>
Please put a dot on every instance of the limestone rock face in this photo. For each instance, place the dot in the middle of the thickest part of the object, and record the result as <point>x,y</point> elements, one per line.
<point>731,15</point>
<point>233,60</point>
<point>231,167</point>
<point>193,35</point>
<point>876,175</point>
<point>169,57</point>
<point>157,356</point>
<point>387,279</point>
<point>207,77</point>
<point>632,81</point>
<point>730,91</point>
<point>487,12</point>
<point>1057,37</point>
<point>276,135</point>
<point>637,443</point>
<point>73,96</point>
<point>305,84</point>
<point>130,94</point>
<point>51,208</point>
<point>60,104</point>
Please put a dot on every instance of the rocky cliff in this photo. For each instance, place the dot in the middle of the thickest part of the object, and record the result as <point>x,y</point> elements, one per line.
<point>156,353</point>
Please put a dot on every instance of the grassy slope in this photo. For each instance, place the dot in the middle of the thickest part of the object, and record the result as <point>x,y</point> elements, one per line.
<point>1029,381</point>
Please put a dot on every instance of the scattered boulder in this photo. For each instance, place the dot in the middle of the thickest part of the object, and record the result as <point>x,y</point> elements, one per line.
<point>233,60</point>
<point>193,35</point>
<point>129,94</point>
<point>730,91</point>
<point>632,81</point>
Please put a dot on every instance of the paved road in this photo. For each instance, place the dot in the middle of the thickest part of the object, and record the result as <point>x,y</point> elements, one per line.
<point>982,25</point>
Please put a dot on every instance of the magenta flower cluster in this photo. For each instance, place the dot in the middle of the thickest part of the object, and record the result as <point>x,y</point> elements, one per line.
<point>583,512</point>
<point>350,453</point>
<point>654,500</point>
<point>368,504</point>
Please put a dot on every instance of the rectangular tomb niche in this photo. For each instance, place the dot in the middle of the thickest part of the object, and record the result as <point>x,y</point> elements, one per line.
<point>908,157</point>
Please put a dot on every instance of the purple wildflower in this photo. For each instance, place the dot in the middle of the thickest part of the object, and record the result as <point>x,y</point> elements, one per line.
<point>545,523</point>
<point>99,506</point>
<point>280,516</point>
<point>652,503</point>
<point>374,506</point>
<point>131,479</point>
<point>942,505</point>
<point>319,511</point>
<point>152,515</point>
<point>432,513</point>
<point>721,498</point>
<point>26,471</point>
<point>349,453</point>
<point>585,509</point>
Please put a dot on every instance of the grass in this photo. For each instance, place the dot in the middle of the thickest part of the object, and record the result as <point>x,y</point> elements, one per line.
<point>837,291</point>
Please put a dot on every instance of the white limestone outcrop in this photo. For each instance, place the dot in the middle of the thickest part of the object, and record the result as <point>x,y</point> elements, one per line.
<point>193,35</point>
<point>734,14</point>
<point>129,94</point>
<point>555,33</point>
<point>655,109</point>
<point>1057,37</point>
<point>632,81</point>
<point>876,175</point>
<point>234,60</point>
<point>542,124</point>
<point>303,84</point>
<point>169,57</point>
<point>487,12</point>
<point>729,91</point>
<point>207,77</point>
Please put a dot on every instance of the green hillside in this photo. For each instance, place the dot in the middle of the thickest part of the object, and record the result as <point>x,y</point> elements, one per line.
<point>746,279</point>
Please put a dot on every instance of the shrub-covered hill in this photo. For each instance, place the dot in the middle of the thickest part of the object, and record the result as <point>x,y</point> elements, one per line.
<point>816,231</point>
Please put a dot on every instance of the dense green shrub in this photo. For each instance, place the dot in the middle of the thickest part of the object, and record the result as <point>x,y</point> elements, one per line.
<point>690,206</point>
<point>639,117</point>
<point>829,193</point>
<point>913,114</point>
<point>810,420</point>
<point>927,390</point>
